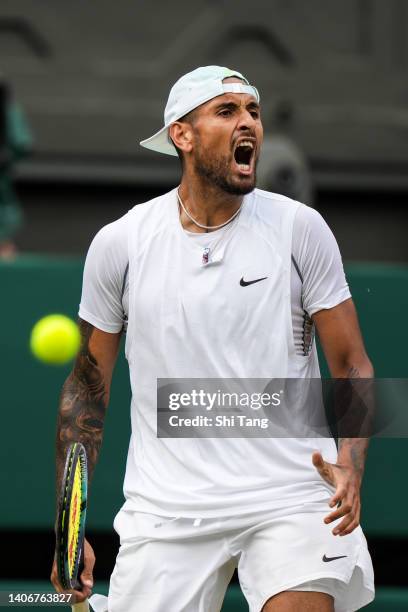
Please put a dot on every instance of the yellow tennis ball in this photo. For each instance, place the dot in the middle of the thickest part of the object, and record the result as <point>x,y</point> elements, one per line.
<point>55,339</point>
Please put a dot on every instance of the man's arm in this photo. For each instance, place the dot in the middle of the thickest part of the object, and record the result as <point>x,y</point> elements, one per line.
<point>83,404</point>
<point>85,395</point>
<point>343,346</point>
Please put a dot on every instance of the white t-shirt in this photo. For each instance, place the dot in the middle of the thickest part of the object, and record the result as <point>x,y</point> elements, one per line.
<point>189,321</point>
<point>317,276</point>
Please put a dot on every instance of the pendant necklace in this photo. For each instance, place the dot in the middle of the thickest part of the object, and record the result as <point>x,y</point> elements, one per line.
<point>211,249</point>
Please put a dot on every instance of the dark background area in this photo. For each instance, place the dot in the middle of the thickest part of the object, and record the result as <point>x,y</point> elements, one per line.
<point>63,218</point>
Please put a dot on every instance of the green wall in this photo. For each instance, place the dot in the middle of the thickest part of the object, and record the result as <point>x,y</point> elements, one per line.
<point>34,286</point>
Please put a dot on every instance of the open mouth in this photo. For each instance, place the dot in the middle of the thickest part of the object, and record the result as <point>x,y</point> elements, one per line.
<point>243,154</point>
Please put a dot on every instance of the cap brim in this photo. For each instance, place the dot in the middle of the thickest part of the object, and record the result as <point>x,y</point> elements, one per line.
<point>160,142</point>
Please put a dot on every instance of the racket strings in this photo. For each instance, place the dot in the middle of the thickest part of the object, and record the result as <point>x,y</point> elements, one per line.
<point>74,519</point>
<point>72,512</point>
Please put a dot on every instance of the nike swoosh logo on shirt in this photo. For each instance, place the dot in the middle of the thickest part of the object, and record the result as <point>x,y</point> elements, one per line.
<point>244,283</point>
<point>327,559</point>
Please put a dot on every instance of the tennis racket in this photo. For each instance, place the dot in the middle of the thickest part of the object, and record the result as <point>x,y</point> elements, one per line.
<point>70,530</point>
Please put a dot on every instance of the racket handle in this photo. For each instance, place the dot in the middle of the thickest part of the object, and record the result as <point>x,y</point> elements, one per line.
<point>83,606</point>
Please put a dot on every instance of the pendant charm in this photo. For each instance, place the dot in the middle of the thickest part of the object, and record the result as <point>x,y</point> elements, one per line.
<point>206,256</point>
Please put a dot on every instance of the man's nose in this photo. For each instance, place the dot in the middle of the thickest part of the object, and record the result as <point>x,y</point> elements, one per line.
<point>246,120</point>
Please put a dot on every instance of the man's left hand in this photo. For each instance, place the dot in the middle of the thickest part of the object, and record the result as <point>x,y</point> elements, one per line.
<point>347,482</point>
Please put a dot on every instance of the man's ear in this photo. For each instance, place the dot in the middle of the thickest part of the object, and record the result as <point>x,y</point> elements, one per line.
<point>182,135</point>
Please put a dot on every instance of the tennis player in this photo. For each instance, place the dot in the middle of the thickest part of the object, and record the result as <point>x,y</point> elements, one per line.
<point>217,279</point>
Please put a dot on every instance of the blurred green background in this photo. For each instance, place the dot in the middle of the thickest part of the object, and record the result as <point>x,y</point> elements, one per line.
<point>36,285</point>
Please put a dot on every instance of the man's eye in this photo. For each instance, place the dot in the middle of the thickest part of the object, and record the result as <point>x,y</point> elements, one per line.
<point>225,112</point>
<point>254,114</point>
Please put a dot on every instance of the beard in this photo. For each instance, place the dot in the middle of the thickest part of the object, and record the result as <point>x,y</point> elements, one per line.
<point>216,170</point>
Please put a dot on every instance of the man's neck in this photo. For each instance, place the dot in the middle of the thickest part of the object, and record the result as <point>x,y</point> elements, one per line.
<point>206,203</point>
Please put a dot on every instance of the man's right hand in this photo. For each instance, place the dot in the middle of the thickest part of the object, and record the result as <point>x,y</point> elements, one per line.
<point>86,577</point>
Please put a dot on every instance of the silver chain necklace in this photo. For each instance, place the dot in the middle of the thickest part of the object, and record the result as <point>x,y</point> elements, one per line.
<point>212,227</point>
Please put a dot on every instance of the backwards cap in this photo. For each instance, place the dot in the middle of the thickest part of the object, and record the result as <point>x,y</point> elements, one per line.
<point>192,90</point>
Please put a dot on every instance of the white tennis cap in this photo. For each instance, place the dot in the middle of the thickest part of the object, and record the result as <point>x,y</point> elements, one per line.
<point>190,91</point>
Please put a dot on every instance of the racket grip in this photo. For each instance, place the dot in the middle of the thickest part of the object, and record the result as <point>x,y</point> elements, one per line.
<point>83,606</point>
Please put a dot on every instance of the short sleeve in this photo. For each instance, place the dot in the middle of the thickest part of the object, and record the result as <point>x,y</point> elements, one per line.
<point>318,258</point>
<point>104,277</point>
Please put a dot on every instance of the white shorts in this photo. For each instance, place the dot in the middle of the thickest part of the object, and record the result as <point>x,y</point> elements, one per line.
<point>185,565</point>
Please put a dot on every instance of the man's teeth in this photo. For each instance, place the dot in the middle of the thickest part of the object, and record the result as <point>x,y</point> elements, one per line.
<point>246,143</point>
<point>243,166</point>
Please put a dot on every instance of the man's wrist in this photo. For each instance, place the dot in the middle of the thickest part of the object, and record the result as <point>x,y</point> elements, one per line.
<point>352,454</point>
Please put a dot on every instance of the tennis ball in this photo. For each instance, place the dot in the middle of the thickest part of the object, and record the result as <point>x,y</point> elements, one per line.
<point>55,339</point>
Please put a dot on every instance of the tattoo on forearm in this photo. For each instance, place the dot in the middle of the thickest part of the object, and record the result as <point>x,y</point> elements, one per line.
<point>82,406</point>
<point>353,372</point>
<point>354,450</point>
